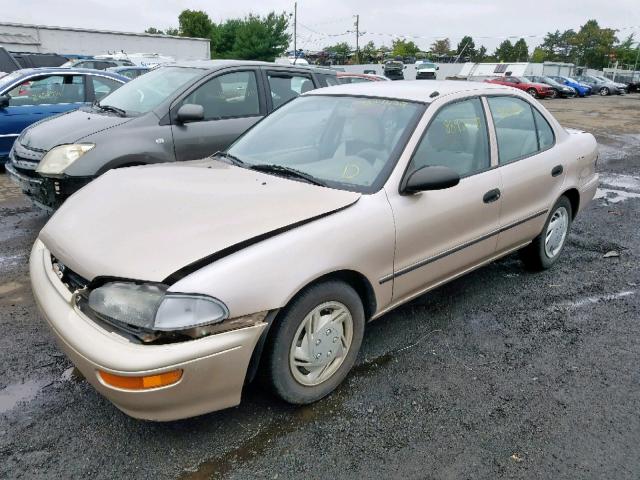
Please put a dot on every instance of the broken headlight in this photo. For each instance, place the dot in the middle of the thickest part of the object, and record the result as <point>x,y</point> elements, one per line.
<point>150,307</point>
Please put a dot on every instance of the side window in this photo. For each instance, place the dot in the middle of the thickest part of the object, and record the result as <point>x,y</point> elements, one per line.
<point>456,138</point>
<point>285,86</point>
<point>331,80</point>
<point>227,96</point>
<point>103,86</point>
<point>47,90</point>
<point>545,132</point>
<point>515,128</point>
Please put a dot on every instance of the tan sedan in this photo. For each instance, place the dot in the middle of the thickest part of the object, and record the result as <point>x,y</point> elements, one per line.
<point>170,286</point>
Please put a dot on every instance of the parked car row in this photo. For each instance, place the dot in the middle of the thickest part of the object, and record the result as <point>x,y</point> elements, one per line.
<point>172,286</point>
<point>558,86</point>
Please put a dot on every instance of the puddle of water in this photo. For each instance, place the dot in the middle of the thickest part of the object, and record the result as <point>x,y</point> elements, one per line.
<point>17,393</point>
<point>630,182</point>
<point>591,300</point>
<point>614,196</point>
<point>10,260</point>
<point>10,287</point>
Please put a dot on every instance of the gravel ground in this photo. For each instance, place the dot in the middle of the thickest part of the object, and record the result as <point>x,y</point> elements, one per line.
<point>500,374</point>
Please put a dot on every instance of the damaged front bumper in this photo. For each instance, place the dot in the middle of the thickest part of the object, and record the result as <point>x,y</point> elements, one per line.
<point>213,368</point>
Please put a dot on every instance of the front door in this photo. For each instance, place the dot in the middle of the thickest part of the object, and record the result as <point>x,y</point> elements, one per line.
<point>232,103</point>
<point>442,233</point>
<point>37,98</point>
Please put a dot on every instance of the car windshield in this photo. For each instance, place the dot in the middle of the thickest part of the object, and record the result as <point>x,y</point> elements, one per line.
<point>9,79</point>
<point>426,65</point>
<point>551,81</point>
<point>146,92</point>
<point>343,142</point>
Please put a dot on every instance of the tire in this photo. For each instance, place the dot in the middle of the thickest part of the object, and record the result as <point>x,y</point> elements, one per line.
<point>604,91</point>
<point>539,254</point>
<point>554,94</point>
<point>286,340</point>
<point>532,92</point>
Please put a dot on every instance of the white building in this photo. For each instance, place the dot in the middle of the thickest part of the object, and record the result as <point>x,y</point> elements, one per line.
<point>17,37</point>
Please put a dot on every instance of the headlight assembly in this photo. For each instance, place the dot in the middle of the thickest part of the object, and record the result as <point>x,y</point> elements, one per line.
<point>147,310</point>
<point>59,158</point>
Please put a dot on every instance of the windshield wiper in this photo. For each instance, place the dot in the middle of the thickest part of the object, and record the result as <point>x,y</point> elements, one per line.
<point>232,158</point>
<point>288,171</point>
<point>111,108</point>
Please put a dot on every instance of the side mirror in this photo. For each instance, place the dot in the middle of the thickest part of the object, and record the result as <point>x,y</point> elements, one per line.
<point>437,67</point>
<point>4,101</point>
<point>431,178</point>
<point>405,67</point>
<point>190,112</point>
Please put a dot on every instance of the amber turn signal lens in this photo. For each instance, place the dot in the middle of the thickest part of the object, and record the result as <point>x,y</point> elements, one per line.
<point>141,383</point>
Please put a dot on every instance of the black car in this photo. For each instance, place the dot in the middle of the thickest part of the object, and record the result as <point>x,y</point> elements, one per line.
<point>394,69</point>
<point>176,112</point>
<point>558,90</point>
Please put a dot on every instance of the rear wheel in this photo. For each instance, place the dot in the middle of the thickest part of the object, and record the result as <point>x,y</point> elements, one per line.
<point>604,91</point>
<point>314,343</point>
<point>554,94</point>
<point>545,249</point>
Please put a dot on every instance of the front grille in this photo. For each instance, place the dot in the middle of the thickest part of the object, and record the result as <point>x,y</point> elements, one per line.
<point>25,160</point>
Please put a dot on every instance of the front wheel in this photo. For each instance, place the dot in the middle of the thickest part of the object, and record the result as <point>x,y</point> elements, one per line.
<point>314,343</point>
<point>532,92</point>
<point>604,91</point>
<point>545,249</point>
<point>554,94</point>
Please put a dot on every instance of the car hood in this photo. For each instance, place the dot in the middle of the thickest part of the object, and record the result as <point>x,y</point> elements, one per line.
<point>68,127</point>
<point>146,223</point>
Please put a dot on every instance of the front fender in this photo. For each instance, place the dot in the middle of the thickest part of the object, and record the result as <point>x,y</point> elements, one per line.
<point>268,274</point>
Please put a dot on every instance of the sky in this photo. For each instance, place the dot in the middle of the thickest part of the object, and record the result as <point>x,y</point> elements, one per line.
<point>325,22</point>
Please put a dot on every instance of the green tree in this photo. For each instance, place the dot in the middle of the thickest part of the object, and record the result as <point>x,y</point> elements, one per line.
<point>368,53</point>
<point>625,53</point>
<point>539,55</point>
<point>223,38</point>
<point>341,51</point>
<point>594,45</point>
<point>174,32</point>
<point>441,47</point>
<point>195,23</point>
<point>154,31</point>
<point>520,51</point>
<point>480,55</point>
<point>504,52</point>
<point>262,38</point>
<point>404,48</point>
<point>466,48</point>
<point>559,47</point>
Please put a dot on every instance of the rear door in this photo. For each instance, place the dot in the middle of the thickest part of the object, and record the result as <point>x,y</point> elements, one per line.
<point>233,101</point>
<point>36,98</point>
<point>284,85</point>
<point>532,175</point>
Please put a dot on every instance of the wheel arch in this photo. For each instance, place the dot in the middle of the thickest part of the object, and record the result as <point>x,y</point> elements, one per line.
<point>354,279</point>
<point>574,199</point>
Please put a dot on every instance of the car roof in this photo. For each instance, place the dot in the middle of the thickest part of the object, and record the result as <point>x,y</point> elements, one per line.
<point>411,90</point>
<point>218,64</point>
<point>121,68</point>
<point>33,71</point>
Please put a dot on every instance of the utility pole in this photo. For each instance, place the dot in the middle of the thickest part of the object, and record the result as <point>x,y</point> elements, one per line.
<point>295,27</point>
<point>635,65</point>
<point>357,25</point>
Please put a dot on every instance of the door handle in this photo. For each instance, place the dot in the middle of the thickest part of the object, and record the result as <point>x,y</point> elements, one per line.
<point>491,195</point>
<point>557,170</point>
